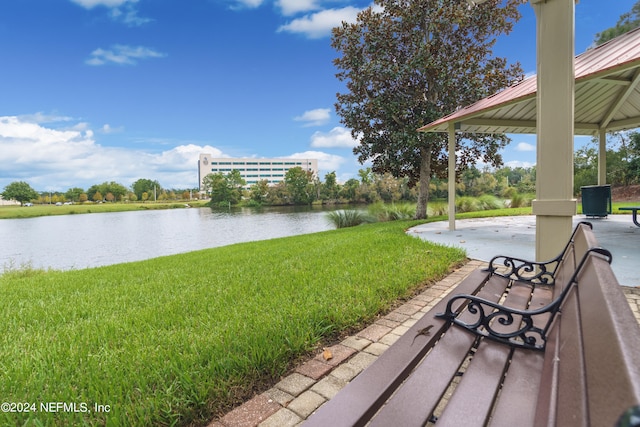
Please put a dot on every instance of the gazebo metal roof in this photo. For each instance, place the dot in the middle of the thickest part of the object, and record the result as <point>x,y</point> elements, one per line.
<point>607,96</point>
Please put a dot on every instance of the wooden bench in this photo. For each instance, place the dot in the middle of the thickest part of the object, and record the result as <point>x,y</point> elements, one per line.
<point>531,344</point>
<point>634,211</point>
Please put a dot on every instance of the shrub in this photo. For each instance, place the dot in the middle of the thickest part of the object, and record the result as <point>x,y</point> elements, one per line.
<point>392,212</point>
<point>467,204</point>
<point>347,218</point>
<point>437,209</point>
<point>519,200</point>
<point>489,202</point>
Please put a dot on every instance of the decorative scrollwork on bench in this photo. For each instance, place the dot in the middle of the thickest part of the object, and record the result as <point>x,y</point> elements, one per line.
<point>486,313</point>
<point>519,269</point>
<point>536,273</point>
<point>490,318</point>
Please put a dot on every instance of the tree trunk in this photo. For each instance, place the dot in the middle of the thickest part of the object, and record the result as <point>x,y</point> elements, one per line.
<point>425,179</point>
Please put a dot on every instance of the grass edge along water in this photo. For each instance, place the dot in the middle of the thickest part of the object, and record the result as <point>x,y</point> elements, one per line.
<point>178,340</point>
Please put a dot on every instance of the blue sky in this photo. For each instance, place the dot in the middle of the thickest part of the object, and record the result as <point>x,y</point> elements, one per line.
<point>117,90</point>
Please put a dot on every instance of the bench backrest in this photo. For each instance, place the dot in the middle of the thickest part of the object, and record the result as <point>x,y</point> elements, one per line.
<point>591,372</point>
<point>582,240</point>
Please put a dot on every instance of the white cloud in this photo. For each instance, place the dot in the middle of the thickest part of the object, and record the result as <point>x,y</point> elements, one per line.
<point>316,117</point>
<point>252,4</point>
<point>291,7</point>
<point>40,117</point>
<point>326,162</point>
<point>52,159</point>
<point>122,55</point>
<point>519,164</point>
<point>319,24</point>
<point>120,10</point>
<point>523,146</point>
<point>107,129</point>
<point>338,137</point>
<point>90,4</point>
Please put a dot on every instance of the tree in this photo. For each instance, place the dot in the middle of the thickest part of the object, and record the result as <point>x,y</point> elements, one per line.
<point>235,183</point>
<point>19,191</point>
<point>300,185</point>
<point>330,188</point>
<point>627,22</point>
<point>259,191</point>
<point>73,194</point>
<point>224,188</point>
<point>117,190</point>
<point>146,186</point>
<point>414,62</point>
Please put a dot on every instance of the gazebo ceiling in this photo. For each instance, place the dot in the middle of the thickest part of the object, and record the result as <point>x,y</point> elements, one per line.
<point>607,96</point>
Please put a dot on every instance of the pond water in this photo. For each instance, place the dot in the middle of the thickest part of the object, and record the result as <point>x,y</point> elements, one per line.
<point>90,240</point>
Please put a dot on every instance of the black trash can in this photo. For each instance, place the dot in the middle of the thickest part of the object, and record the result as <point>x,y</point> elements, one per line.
<point>596,200</point>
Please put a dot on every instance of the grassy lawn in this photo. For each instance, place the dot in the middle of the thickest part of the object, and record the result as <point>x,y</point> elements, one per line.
<point>177,340</point>
<point>7,212</point>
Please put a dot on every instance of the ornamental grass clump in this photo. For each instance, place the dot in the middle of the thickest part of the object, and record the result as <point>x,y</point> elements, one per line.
<point>348,218</point>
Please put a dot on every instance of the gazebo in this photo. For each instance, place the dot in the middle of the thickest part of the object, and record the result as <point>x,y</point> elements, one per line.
<point>606,97</point>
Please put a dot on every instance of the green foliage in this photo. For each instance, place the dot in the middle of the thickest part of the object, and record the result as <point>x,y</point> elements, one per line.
<point>259,191</point>
<point>519,200</point>
<point>146,186</point>
<point>622,158</point>
<point>489,202</point>
<point>406,64</point>
<point>19,191</point>
<point>438,209</point>
<point>392,212</point>
<point>99,191</point>
<point>627,22</point>
<point>467,204</point>
<point>176,340</point>
<point>300,185</point>
<point>224,189</point>
<point>348,218</point>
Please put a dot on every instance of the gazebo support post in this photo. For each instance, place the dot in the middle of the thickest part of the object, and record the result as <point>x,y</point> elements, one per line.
<point>602,157</point>
<point>554,206</point>
<point>452,176</point>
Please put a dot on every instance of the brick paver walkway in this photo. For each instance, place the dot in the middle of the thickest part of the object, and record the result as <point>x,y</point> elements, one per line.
<point>317,380</point>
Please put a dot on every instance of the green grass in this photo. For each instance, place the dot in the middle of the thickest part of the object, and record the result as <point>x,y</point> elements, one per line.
<point>7,212</point>
<point>177,340</point>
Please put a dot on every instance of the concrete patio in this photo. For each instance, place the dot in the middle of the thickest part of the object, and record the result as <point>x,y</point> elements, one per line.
<point>484,238</point>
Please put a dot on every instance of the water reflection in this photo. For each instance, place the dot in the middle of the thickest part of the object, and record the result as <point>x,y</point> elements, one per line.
<point>90,240</point>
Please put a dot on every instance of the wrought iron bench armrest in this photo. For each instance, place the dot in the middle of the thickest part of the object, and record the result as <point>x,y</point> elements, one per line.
<point>537,273</point>
<point>525,333</point>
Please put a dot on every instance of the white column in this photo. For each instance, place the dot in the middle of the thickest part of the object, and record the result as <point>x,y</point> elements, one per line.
<point>452,176</point>
<point>554,206</point>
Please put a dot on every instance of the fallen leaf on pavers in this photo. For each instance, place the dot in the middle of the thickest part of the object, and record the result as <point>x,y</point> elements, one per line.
<point>327,355</point>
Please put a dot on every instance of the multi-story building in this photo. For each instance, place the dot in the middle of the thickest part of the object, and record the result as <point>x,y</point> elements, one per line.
<point>253,170</point>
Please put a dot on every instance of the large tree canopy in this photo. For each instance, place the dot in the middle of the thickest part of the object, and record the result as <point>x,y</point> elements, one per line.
<point>409,62</point>
<point>19,191</point>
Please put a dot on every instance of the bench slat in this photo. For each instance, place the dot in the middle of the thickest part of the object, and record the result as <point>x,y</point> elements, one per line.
<point>425,387</point>
<point>473,399</point>
<point>516,404</point>
<point>563,398</point>
<point>363,396</point>
<point>471,403</point>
